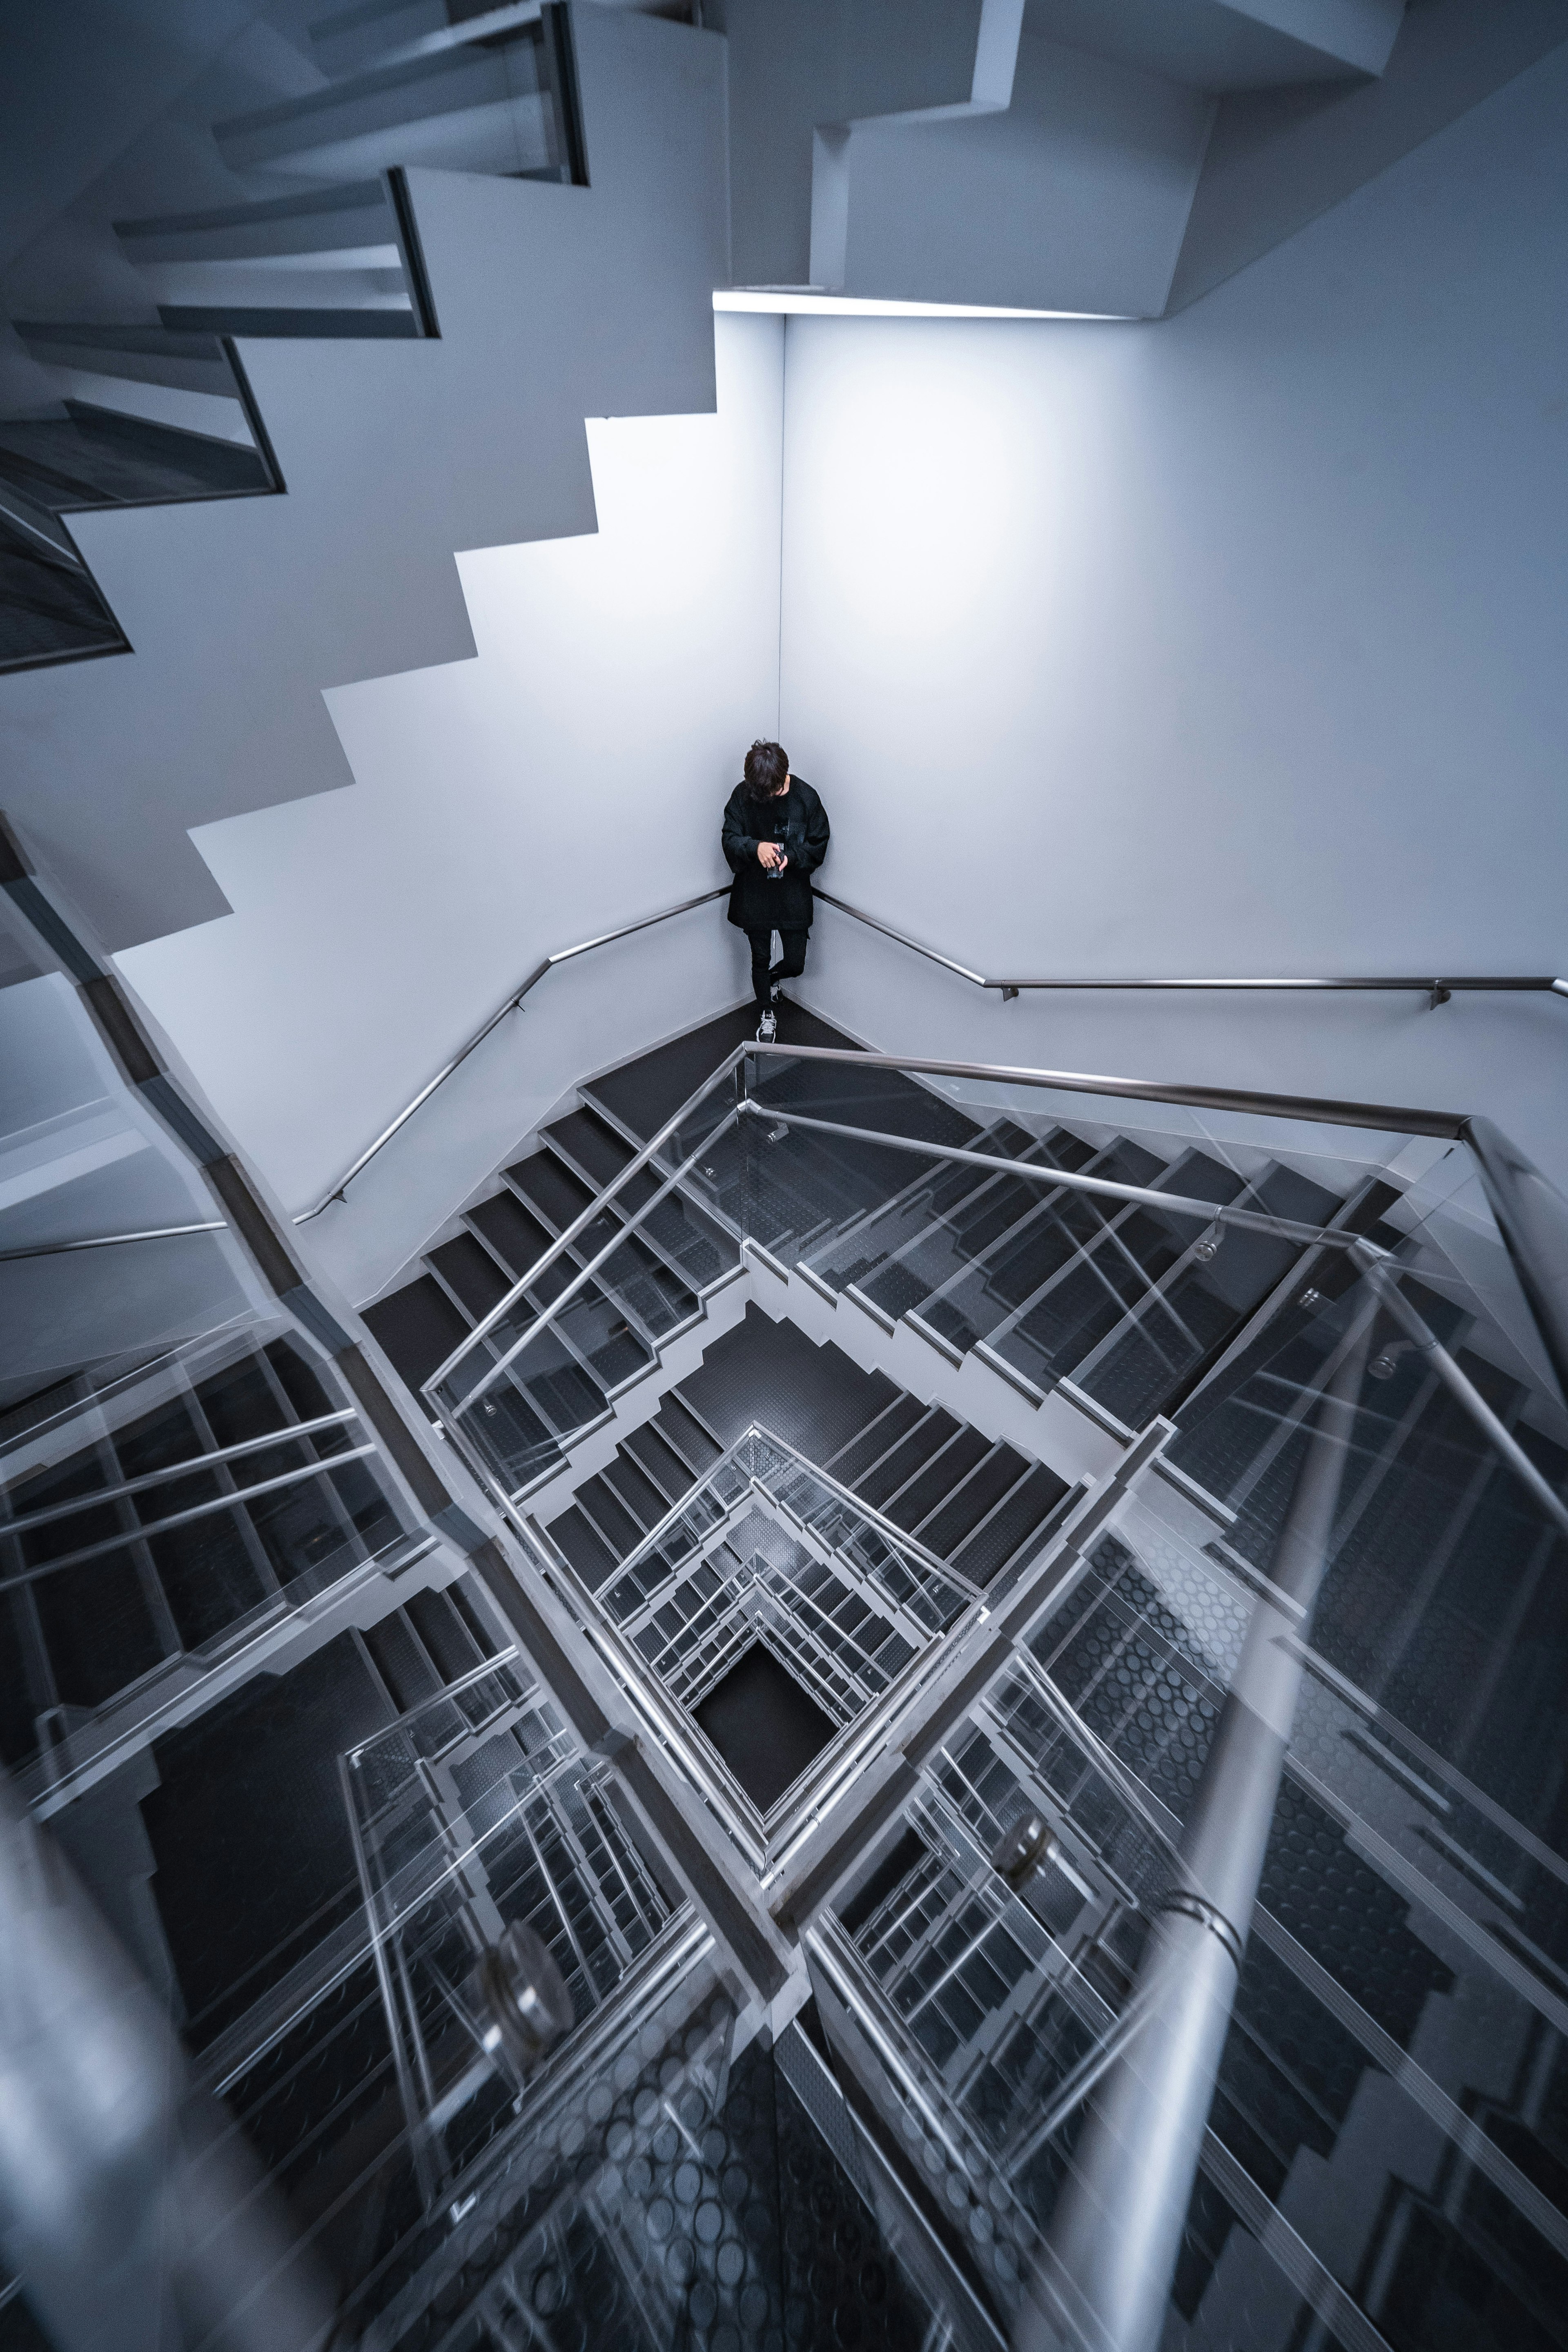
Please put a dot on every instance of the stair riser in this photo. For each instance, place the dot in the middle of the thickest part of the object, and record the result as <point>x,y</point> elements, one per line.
<point>1055,1432</point>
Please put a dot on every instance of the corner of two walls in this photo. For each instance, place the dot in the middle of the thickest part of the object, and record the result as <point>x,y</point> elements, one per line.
<point>1227,644</point>
<point>568,780</point>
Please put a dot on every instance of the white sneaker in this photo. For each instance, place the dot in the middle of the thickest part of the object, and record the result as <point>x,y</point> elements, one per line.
<point>768,1027</point>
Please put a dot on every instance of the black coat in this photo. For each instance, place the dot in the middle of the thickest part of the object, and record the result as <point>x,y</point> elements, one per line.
<point>797,819</point>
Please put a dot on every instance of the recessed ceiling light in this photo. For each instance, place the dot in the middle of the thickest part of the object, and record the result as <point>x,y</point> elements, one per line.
<point>803,302</point>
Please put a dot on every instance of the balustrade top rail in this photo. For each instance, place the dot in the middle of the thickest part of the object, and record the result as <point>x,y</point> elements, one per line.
<point>1437,990</point>
<point>1531,1215</point>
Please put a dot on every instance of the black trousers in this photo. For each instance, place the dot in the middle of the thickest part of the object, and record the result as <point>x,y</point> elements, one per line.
<point>789,966</point>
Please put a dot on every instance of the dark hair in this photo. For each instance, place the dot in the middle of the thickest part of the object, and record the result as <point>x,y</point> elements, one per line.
<point>766,768</point>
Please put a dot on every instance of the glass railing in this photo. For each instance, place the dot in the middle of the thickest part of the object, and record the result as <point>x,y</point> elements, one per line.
<point>1231,1294</point>
<point>165,1519</point>
<point>588,1320</point>
<point>1406,1963</point>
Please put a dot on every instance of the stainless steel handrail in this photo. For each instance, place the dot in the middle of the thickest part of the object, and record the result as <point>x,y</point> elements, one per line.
<point>1437,990</point>
<point>1382,1118</point>
<point>1532,1214</point>
<point>190,1466</point>
<point>112,1240</point>
<point>540,971</point>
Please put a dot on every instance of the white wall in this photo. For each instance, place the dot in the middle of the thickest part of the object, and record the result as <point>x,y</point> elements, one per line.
<point>1232,643</point>
<point>555,303</point>
<point>569,779</point>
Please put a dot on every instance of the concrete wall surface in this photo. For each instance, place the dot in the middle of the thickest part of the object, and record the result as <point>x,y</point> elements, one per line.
<point>554,303</point>
<point>1227,644</point>
<point>567,780</point>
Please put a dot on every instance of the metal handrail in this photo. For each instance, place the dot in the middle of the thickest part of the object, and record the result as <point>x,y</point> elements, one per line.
<point>1437,990</point>
<point>540,971</point>
<point>1531,1215</point>
<point>112,1240</point>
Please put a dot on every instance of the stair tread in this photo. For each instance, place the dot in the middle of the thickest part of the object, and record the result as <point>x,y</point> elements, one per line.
<point>419,1328</point>
<point>470,1271</point>
<point>986,1552</point>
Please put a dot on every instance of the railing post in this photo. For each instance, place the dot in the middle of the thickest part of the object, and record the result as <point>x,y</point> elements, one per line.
<point>1116,2231</point>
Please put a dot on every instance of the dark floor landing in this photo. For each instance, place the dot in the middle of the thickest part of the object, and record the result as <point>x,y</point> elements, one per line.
<point>765,1727</point>
<point>807,1392</point>
<point>644,1093</point>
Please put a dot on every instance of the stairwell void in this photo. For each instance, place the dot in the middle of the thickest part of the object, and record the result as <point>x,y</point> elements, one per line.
<point>847,1623</point>
<point>889,1469</point>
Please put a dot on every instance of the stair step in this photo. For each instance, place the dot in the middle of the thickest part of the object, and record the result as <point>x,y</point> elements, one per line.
<point>419,1328</point>
<point>391,32</point>
<point>351,227</point>
<point>992,1478</point>
<point>591,1144</point>
<point>149,354</point>
<point>930,1432</point>
<point>395,321</point>
<point>983,1556</point>
<point>930,1486</point>
<point>699,1248</point>
<point>634,1490</point>
<point>659,1462</point>
<point>471,107</point>
<point>687,1432</point>
<point>519,1241</point>
<point>550,1189</point>
<point>471,1274</point>
<point>96,457</point>
<point>875,1440</point>
<point>585,1548</point>
<point>611,1518</point>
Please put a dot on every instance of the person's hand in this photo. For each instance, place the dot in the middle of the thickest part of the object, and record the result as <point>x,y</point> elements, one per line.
<point>770,854</point>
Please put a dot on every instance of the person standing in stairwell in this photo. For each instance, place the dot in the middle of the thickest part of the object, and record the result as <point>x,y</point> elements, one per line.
<point>775,836</point>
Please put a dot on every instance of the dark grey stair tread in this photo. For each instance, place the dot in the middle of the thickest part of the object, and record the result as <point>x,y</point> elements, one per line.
<point>633,1487</point>
<point>519,1241</point>
<point>419,1328</point>
<point>255,1861</point>
<point>867,1096</point>
<point>937,1480</point>
<point>550,1187</point>
<point>1025,1510</point>
<point>610,1516</point>
<point>1087,1301</point>
<point>980,1493</point>
<point>659,1462</point>
<point>587,1551</point>
<point>695,1243</point>
<point>877,1438</point>
<point>641,1095</point>
<point>978,1225</point>
<point>868,1244</point>
<point>247,319</point>
<point>447,1639</point>
<point>402,1662</point>
<point>812,1396</point>
<point>686,1434</point>
<point>592,1144</point>
<point>48,609</point>
<point>1049,1236</point>
<point>928,1435</point>
<point>90,459</point>
<point>661,1295</point>
<point>471,1273</point>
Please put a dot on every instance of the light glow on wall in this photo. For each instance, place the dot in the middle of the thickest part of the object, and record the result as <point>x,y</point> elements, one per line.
<point>799,301</point>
